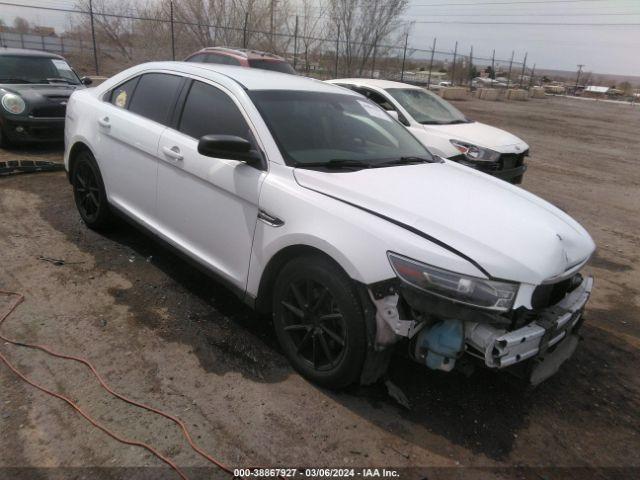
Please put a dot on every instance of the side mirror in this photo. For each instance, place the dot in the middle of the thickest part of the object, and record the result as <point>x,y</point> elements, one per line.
<point>229,147</point>
<point>86,80</point>
<point>394,114</point>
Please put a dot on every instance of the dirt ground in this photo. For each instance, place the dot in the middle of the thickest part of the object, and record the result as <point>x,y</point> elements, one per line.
<point>164,334</point>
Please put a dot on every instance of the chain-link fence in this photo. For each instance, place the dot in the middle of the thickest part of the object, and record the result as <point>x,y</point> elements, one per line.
<point>105,42</point>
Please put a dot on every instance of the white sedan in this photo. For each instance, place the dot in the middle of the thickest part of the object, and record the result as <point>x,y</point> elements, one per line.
<point>444,130</point>
<point>314,205</point>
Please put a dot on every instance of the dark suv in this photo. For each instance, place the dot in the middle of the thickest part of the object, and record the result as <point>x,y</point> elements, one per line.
<point>34,89</point>
<point>241,57</point>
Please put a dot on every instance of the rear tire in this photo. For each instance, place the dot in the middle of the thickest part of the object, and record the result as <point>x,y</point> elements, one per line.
<point>89,192</point>
<point>319,321</point>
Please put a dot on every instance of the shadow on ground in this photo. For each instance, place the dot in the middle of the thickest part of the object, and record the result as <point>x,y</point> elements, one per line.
<point>484,413</point>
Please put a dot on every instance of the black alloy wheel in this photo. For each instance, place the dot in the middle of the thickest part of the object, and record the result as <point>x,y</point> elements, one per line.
<point>319,321</point>
<point>89,193</point>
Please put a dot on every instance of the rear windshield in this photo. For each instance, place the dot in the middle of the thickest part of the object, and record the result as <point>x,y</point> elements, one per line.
<point>275,65</point>
<point>26,69</point>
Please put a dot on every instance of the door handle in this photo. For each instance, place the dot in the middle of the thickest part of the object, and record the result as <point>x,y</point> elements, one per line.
<point>173,153</point>
<point>104,122</point>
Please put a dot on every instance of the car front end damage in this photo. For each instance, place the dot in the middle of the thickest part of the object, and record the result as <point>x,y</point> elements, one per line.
<point>529,342</point>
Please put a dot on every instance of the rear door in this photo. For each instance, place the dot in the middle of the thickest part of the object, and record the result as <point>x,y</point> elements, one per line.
<point>133,119</point>
<point>207,206</point>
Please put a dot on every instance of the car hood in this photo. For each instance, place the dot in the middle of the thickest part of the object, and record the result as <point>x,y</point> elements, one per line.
<point>37,92</point>
<point>479,134</point>
<point>511,233</point>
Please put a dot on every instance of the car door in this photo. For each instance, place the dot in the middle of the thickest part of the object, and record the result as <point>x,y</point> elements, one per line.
<point>129,127</point>
<point>207,206</point>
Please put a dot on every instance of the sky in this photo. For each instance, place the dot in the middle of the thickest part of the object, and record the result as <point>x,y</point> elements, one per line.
<point>536,27</point>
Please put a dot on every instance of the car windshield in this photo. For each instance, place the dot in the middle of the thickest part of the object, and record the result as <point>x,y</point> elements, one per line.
<point>27,69</point>
<point>426,107</point>
<point>274,65</point>
<point>339,130</point>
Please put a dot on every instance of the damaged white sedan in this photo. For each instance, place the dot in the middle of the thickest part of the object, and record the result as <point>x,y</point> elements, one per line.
<point>314,205</point>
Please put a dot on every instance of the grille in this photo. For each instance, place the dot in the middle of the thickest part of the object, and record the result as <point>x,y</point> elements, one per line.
<point>549,294</point>
<point>512,160</point>
<point>51,111</point>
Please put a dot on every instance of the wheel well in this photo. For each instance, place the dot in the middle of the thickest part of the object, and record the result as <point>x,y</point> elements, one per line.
<point>263,303</point>
<point>77,148</point>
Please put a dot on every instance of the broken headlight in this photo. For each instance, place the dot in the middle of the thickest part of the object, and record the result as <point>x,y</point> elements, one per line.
<point>475,153</point>
<point>459,288</point>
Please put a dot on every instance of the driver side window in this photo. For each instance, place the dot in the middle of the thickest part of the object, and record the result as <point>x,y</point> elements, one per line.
<point>208,110</point>
<point>376,98</point>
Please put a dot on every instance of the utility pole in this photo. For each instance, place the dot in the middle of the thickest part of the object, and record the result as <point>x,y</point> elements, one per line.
<point>510,66</point>
<point>272,7</point>
<point>404,55</point>
<point>578,76</point>
<point>295,44</point>
<point>433,51</point>
<point>173,38</point>
<point>524,65</point>
<point>533,72</point>
<point>93,36</point>
<point>493,67</point>
<point>471,67</point>
<point>244,32</point>
<point>453,71</point>
<point>337,50</point>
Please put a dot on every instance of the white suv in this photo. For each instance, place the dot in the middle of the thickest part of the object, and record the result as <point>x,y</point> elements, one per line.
<point>313,204</point>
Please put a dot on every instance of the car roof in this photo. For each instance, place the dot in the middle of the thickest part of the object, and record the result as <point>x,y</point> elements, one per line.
<point>373,82</point>
<point>249,78</point>
<point>22,52</point>
<point>244,52</point>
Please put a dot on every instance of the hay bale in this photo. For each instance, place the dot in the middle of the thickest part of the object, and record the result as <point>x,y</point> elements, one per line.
<point>537,92</point>
<point>454,93</point>
<point>490,94</point>
<point>517,94</point>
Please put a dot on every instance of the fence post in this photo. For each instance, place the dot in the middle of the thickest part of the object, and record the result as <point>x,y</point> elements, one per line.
<point>173,38</point>
<point>93,37</point>
<point>244,30</point>
<point>44,48</point>
<point>509,74</point>
<point>533,72</point>
<point>22,40</point>
<point>295,43</point>
<point>404,55</point>
<point>61,45</point>
<point>433,51</point>
<point>337,50</point>
<point>524,65</point>
<point>493,67</point>
<point>373,64</point>
<point>471,67</point>
<point>453,71</point>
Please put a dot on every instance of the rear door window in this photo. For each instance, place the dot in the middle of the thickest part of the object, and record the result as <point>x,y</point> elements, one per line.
<point>208,110</point>
<point>121,95</point>
<point>155,96</point>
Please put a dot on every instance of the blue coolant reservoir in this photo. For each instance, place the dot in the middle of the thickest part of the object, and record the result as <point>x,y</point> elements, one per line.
<point>441,344</point>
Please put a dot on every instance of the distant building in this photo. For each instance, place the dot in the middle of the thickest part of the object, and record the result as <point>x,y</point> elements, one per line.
<point>594,91</point>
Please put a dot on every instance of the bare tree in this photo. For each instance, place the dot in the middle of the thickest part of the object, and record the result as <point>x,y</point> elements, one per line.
<point>21,25</point>
<point>364,26</point>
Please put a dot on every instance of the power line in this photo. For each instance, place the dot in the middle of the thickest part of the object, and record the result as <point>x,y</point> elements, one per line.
<point>522,14</point>
<point>522,2</point>
<point>453,22</point>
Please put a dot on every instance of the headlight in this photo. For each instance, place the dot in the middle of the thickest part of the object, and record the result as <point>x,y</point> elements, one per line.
<point>472,291</point>
<point>475,153</point>
<point>13,103</point>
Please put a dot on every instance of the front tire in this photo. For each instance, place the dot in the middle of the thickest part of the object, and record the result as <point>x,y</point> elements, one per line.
<point>319,321</point>
<point>89,192</point>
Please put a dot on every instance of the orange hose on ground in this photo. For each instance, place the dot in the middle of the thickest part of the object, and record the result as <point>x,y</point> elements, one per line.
<point>19,299</point>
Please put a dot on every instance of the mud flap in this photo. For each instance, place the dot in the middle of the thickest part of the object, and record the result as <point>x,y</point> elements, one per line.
<point>550,363</point>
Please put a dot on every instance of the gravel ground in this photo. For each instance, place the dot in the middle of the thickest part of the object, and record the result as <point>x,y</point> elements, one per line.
<point>164,334</point>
